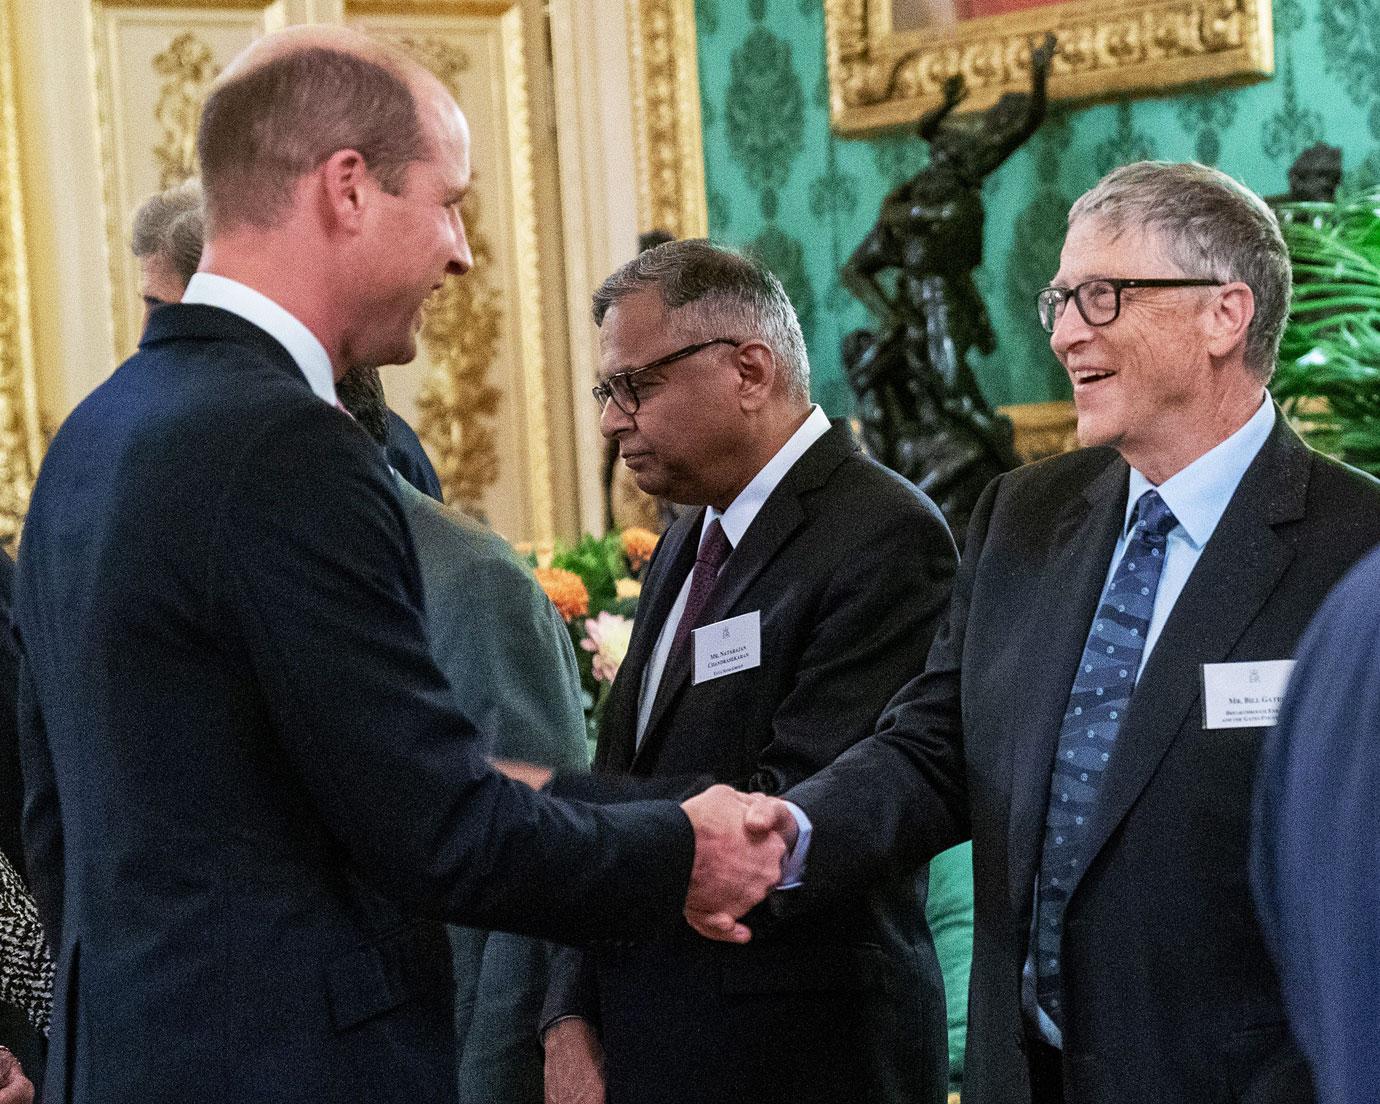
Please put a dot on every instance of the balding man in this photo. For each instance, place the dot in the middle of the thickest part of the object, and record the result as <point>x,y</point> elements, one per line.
<point>247,778</point>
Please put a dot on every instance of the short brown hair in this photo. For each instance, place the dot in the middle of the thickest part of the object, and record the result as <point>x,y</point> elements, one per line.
<point>170,224</point>
<point>262,130</point>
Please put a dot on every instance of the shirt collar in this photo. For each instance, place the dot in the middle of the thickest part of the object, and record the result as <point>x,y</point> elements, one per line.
<point>1198,496</point>
<point>743,509</point>
<point>258,309</point>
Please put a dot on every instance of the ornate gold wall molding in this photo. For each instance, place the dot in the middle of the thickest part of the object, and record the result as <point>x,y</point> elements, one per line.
<point>879,77</point>
<point>463,334</point>
<point>187,66</point>
<point>666,117</point>
<point>456,405</point>
<point>1042,429</point>
<point>21,440</point>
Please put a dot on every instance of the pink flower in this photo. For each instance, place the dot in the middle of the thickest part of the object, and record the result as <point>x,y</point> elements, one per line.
<point>607,637</point>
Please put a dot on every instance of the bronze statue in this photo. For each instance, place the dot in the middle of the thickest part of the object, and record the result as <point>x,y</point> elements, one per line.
<point>919,403</point>
<point>1313,177</point>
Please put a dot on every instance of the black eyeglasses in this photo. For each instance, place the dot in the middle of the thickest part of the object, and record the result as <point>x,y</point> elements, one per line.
<point>620,389</point>
<point>1099,301</point>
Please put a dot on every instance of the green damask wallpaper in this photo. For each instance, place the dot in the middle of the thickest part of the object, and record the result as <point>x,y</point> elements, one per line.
<point>781,182</point>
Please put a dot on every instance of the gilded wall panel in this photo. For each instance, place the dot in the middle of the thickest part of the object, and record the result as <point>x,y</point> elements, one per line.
<point>21,444</point>
<point>477,392</point>
<point>666,117</point>
<point>153,66</point>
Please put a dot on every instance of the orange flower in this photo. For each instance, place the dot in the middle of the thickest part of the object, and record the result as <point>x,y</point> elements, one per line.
<point>566,591</point>
<point>638,545</point>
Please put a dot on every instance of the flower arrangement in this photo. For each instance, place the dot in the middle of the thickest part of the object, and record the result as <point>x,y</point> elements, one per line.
<point>594,585</point>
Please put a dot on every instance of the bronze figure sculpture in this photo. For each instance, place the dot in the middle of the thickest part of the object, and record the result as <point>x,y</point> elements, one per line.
<point>921,410</point>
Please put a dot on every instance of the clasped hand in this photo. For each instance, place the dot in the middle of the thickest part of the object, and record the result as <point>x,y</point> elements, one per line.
<point>741,842</point>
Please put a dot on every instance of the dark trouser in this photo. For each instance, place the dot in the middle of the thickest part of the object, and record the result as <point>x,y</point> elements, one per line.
<point>1046,1071</point>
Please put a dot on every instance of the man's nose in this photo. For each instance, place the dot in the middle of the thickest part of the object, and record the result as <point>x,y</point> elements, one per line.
<point>613,421</point>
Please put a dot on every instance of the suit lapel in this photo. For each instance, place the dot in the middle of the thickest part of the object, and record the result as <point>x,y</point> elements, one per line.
<point>1232,580</point>
<point>778,518</point>
<point>671,563</point>
<point>1084,536</point>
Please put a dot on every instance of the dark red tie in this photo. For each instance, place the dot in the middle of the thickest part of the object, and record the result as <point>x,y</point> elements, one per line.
<point>714,549</point>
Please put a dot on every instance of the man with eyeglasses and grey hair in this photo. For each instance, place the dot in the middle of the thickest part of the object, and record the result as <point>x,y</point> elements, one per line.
<point>776,620</point>
<point>1117,644</point>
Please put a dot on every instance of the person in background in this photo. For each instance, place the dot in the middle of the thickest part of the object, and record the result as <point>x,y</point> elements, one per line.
<point>23,955</point>
<point>949,913</point>
<point>1317,841</point>
<point>15,1088</point>
<point>512,669</point>
<point>169,229</point>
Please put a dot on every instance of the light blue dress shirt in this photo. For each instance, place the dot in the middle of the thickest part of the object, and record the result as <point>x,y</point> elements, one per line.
<point>1197,496</point>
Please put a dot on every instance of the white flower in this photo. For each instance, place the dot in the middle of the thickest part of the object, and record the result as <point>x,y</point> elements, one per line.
<point>607,636</point>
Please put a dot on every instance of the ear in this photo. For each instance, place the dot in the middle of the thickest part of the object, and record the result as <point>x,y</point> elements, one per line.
<point>1228,317</point>
<point>757,372</point>
<point>347,189</point>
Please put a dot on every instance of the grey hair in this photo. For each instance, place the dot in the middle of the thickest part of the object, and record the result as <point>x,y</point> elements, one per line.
<point>708,287</point>
<point>1211,227</point>
<point>172,223</point>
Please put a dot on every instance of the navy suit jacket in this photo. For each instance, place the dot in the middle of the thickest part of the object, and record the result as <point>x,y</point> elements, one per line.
<point>246,776</point>
<point>850,567</point>
<point>1317,841</point>
<point>1169,993</point>
<point>409,459</point>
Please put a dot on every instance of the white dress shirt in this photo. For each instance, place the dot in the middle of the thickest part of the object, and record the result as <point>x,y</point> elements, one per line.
<point>741,513</point>
<point>307,352</point>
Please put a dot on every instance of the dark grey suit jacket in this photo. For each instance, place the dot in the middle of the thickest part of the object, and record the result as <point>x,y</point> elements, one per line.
<point>1170,996</point>
<point>511,666</point>
<point>850,567</point>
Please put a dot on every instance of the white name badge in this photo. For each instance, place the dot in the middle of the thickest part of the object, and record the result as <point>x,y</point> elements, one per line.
<point>729,646</point>
<point>1244,695</point>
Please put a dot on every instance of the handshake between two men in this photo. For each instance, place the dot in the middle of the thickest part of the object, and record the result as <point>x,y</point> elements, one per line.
<point>742,842</point>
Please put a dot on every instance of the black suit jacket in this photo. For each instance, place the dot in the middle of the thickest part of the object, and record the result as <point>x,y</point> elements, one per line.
<point>1169,995</point>
<point>246,775</point>
<point>850,567</point>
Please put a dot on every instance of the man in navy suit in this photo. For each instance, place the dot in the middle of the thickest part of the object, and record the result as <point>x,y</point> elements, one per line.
<point>249,791</point>
<point>1317,841</point>
<point>167,241</point>
<point>1093,708</point>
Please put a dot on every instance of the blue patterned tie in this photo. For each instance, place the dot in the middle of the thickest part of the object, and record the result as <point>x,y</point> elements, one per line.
<point>1101,691</point>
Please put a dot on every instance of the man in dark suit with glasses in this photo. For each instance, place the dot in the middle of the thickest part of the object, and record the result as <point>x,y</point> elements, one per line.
<point>1094,704</point>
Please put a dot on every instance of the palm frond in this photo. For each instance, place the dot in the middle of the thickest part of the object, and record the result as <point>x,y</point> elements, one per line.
<point>1328,379</point>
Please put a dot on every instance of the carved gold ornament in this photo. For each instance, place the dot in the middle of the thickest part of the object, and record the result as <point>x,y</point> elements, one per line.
<point>461,332</point>
<point>666,117</point>
<point>457,403</point>
<point>187,67</point>
<point>880,77</point>
<point>21,440</point>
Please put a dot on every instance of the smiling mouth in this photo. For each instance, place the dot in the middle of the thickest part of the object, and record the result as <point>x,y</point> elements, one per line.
<point>1086,377</point>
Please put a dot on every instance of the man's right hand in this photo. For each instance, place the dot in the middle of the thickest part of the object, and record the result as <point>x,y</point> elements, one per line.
<point>574,1063</point>
<point>737,860</point>
<point>15,1088</point>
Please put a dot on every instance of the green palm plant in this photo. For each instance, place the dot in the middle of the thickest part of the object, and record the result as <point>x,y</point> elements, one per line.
<point>1328,378</point>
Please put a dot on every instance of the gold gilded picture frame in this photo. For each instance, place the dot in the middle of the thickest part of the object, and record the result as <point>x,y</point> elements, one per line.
<point>881,76</point>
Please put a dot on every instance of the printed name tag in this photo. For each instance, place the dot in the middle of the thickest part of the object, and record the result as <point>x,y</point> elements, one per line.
<point>728,646</point>
<point>1244,695</point>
